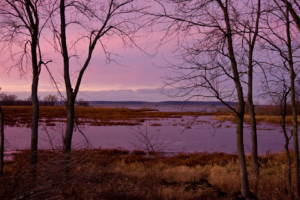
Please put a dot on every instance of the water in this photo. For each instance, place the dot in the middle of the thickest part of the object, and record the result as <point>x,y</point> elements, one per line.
<point>167,108</point>
<point>173,136</point>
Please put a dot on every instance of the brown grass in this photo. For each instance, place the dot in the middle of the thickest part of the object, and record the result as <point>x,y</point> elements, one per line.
<point>268,113</point>
<point>259,118</point>
<point>95,116</point>
<point>99,116</point>
<point>117,174</point>
<point>274,109</point>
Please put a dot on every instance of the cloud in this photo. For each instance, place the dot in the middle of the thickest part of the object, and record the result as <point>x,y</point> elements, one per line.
<point>149,91</point>
<point>143,94</point>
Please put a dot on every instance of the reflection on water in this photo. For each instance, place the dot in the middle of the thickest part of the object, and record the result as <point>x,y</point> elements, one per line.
<point>168,108</point>
<point>169,135</point>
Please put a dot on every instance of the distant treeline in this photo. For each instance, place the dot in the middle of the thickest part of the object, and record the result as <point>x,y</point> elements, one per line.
<point>49,100</point>
<point>12,100</point>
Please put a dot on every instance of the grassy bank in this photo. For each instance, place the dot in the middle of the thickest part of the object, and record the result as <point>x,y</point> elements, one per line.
<point>117,174</point>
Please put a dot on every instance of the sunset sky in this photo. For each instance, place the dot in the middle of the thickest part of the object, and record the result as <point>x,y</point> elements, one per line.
<point>135,76</point>
<point>139,79</point>
<point>138,76</point>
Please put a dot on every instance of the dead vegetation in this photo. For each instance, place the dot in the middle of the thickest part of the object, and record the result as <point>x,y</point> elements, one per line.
<point>268,113</point>
<point>99,116</point>
<point>94,116</point>
<point>119,174</point>
<point>274,110</point>
<point>259,118</point>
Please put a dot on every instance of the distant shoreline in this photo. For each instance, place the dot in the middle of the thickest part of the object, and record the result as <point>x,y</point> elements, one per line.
<point>165,103</point>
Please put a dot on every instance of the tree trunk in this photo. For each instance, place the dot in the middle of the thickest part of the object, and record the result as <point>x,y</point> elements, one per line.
<point>241,110</point>
<point>2,141</point>
<point>255,163</point>
<point>293,102</point>
<point>241,155</point>
<point>34,30</point>
<point>35,104</point>
<point>68,135</point>
<point>289,175</point>
<point>35,120</point>
<point>70,97</point>
<point>69,128</point>
<point>295,135</point>
<point>254,142</point>
<point>251,44</point>
<point>287,140</point>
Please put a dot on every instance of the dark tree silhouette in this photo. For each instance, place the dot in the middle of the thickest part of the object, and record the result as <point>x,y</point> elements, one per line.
<point>21,24</point>
<point>113,18</point>
<point>280,39</point>
<point>210,37</point>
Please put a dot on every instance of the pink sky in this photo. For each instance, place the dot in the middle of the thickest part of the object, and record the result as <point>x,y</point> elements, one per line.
<point>138,79</point>
<point>111,82</point>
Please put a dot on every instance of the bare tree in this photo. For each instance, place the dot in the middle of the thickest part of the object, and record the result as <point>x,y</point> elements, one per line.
<point>113,18</point>
<point>50,99</point>
<point>21,25</point>
<point>280,36</point>
<point>250,29</point>
<point>276,89</point>
<point>8,99</point>
<point>210,45</point>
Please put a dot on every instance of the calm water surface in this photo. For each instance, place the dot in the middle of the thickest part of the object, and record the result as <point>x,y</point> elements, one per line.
<point>173,136</point>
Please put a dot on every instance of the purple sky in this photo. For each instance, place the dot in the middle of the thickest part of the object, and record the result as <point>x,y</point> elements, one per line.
<point>140,78</point>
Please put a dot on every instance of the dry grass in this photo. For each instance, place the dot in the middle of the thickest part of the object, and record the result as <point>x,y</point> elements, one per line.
<point>95,116</point>
<point>99,116</point>
<point>267,113</point>
<point>117,174</point>
<point>274,109</point>
<point>259,118</point>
